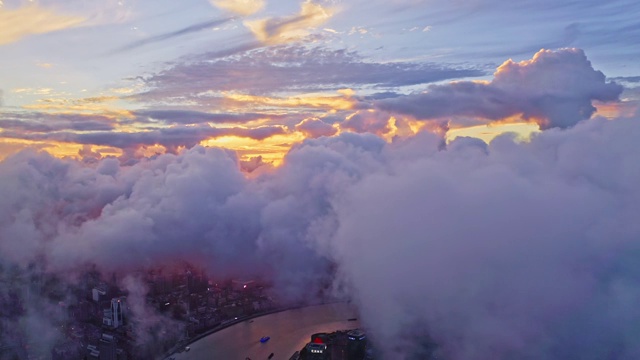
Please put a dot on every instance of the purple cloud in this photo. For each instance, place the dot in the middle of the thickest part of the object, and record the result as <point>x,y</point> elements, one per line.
<point>293,67</point>
<point>34,122</point>
<point>376,122</point>
<point>501,251</point>
<point>555,89</point>
<point>171,138</point>
<point>175,116</point>
<point>313,128</point>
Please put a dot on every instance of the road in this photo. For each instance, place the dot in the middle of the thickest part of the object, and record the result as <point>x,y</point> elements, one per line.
<point>289,331</point>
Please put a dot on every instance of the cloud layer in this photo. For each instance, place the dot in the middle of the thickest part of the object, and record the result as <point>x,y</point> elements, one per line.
<point>289,68</point>
<point>501,251</point>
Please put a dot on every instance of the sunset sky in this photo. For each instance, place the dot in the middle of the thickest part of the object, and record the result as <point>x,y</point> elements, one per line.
<point>140,77</point>
<point>464,171</point>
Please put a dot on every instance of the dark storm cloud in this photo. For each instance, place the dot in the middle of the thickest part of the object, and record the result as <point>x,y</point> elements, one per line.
<point>282,68</point>
<point>174,34</point>
<point>555,88</point>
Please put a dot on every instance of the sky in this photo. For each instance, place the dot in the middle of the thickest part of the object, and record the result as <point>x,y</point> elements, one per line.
<point>146,77</point>
<point>462,171</point>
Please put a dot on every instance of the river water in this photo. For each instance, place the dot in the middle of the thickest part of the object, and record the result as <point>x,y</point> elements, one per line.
<point>289,331</point>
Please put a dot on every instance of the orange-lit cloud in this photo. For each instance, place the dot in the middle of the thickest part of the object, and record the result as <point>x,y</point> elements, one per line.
<point>487,133</point>
<point>91,105</point>
<point>32,20</point>
<point>272,149</point>
<point>615,110</point>
<point>311,101</point>
<point>9,147</point>
<point>240,7</point>
<point>283,29</point>
<point>314,127</point>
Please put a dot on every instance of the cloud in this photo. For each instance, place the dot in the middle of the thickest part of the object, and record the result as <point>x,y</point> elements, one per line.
<point>171,138</point>
<point>314,128</point>
<point>627,79</point>
<point>254,163</point>
<point>169,128</point>
<point>240,7</point>
<point>195,117</point>
<point>173,34</point>
<point>554,89</point>
<point>151,330</point>
<point>285,29</point>
<point>36,122</point>
<point>288,68</point>
<point>32,20</point>
<point>487,246</point>
<point>376,122</point>
<point>501,251</point>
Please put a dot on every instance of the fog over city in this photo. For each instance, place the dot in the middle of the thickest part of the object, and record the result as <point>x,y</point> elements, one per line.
<point>465,175</point>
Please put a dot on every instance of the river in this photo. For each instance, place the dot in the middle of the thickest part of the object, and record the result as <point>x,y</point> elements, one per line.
<point>289,330</point>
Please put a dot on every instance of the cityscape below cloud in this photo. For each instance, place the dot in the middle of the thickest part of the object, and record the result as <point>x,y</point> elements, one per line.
<point>463,177</point>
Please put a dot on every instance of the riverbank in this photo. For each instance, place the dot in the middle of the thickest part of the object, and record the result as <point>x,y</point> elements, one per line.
<point>289,330</point>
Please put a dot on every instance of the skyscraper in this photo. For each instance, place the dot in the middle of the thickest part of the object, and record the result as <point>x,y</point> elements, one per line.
<point>117,312</point>
<point>107,347</point>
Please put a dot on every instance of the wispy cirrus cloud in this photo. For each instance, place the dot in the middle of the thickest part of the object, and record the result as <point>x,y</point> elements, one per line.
<point>16,24</point>
<point>174,34</point>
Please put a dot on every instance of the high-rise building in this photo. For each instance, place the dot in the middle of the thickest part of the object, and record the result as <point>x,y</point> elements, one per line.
<point>114,316</point>
<point>107,348</point>
<point>357,344</point>
<point>316,351</point>
<point>117,312</point>
<point>98,292</point>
